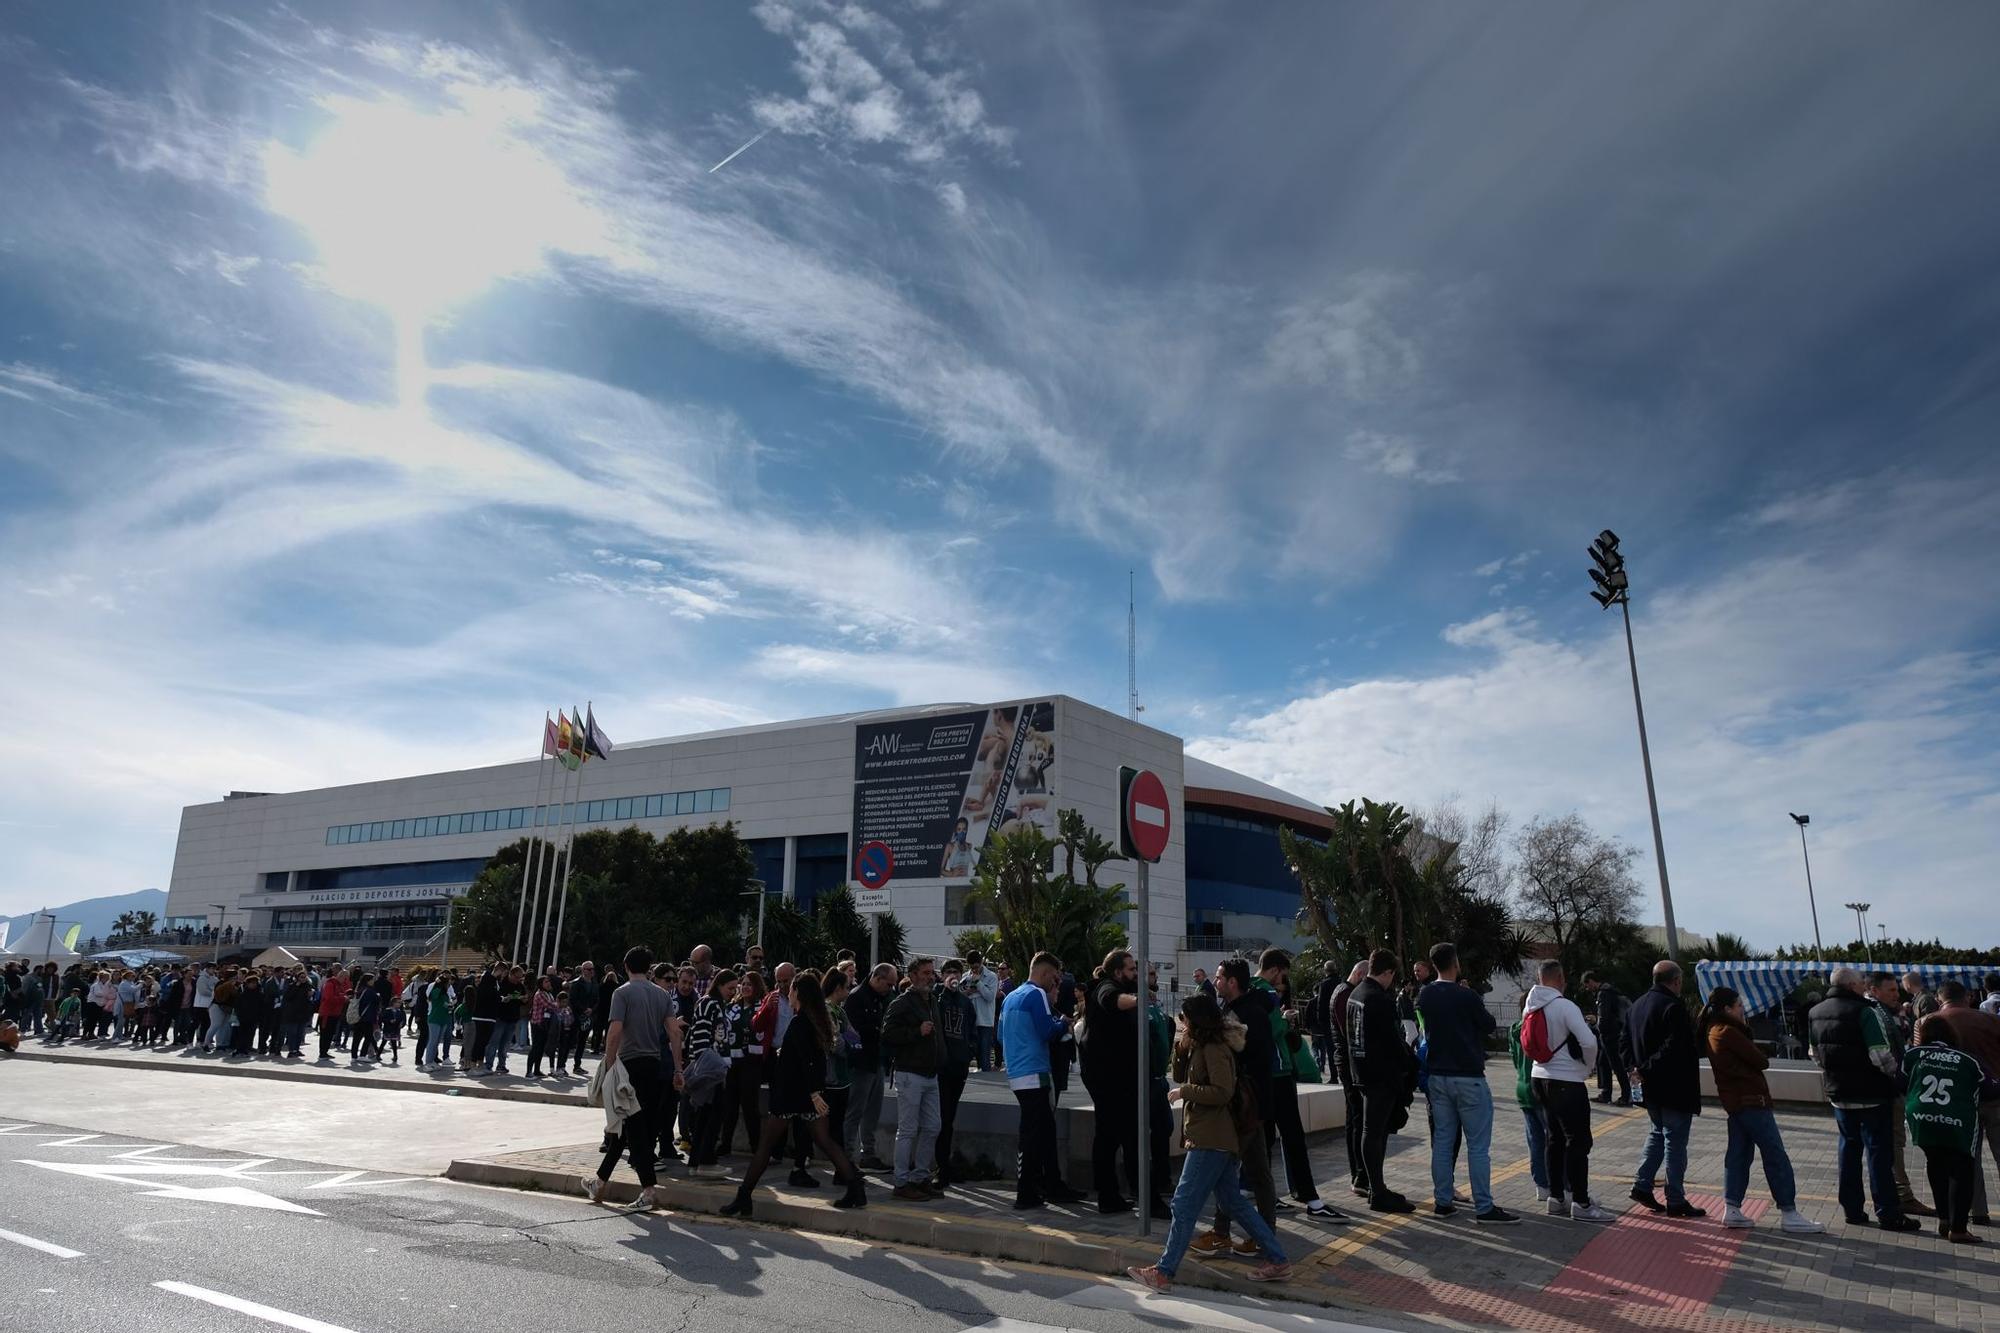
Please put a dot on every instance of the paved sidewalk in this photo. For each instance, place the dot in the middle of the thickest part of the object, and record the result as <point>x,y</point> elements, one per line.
<point>1641,1272</point>
<point>340,1071</point>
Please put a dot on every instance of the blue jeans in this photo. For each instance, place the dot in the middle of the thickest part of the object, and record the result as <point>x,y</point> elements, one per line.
<point>294,1037</point>
<point>983,1047</point>
<point>437,1043</point>
<point>1752,1131</point>
<point>1867,1131</point>
<point>1205,1172</point>
<point>919,1116</point>
<point>1669,1139</point>
<point>1461,1103</point>
<point>1538,1144</point>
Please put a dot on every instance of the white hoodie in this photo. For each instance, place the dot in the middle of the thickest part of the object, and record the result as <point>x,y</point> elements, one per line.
<point>1565,1020</point>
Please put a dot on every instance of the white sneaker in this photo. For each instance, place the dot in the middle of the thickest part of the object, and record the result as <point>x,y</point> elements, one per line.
<point>1799,1224</point>
<point>1558,1206</point>
<point>1541,1195</point>
<point>1732,1216</point>
<point>1590,1212</point>
<point>646,1202</point>
<point>593,1188</point>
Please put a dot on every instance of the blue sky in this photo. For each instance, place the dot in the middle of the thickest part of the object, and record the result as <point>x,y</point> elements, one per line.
<point>366,389</point>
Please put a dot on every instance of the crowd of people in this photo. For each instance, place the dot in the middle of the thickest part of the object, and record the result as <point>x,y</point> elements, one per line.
<point>799,1058</point>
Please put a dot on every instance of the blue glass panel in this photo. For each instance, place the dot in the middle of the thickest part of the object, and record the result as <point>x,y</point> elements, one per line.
<point>683,802</point>
<point>721,799</point>
<point>655,806</point>
<point>704,802</point>
<point>624,810</point>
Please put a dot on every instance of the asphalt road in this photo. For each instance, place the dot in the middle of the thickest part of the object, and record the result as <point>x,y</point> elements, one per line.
<point>324,1248</point>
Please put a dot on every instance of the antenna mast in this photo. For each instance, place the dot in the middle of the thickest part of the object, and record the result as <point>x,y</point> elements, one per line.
<point>1131,644</point>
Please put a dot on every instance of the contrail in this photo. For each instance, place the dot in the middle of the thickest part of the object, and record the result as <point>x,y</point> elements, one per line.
<point>738,153</point>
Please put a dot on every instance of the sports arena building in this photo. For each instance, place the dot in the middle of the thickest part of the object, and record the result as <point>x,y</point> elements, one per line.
<point>365,869</point>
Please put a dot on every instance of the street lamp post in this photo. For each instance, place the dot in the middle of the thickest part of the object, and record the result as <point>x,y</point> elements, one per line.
<point>1859,920</point>
<point>223,909</point>
<point>1613,588</point>
<point>1802,821</point>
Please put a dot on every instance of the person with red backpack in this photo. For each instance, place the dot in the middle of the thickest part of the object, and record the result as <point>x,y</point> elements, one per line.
<point>1563,1050</point>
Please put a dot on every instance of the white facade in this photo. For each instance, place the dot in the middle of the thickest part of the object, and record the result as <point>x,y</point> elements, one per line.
<point>251,861</point>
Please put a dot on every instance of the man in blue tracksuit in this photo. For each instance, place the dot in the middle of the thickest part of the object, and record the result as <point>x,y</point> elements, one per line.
<point>1026,1026</point>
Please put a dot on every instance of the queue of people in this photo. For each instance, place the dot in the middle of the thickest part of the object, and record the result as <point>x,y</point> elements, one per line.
<point>800,1058</point>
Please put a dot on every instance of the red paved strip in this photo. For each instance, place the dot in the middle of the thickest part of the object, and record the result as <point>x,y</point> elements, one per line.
<point>1648,1259</point>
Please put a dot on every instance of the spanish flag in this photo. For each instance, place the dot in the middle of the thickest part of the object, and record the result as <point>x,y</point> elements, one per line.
<point>566,744</point>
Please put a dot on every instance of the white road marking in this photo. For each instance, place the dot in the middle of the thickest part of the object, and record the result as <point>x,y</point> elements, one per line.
<point>268,1313</point>
<point>1238,1316</point>
<point>146,1173</point>
<point>1149,814</point>
<point>59,1251</point>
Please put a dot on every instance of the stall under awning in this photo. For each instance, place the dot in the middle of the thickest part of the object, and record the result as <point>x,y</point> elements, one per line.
<point>1764,983</point>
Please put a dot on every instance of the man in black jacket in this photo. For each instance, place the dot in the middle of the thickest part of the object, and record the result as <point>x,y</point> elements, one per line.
<point>1858,1073</point>
<point>1611,1062</point>
<point>1254,1064</point>
<point>1343,1071</point>
<point>583,992</point>
<point>865,1008</point>
<point>1111,1075</point>
<point>1660,1042</point>
<point>1381,1066</point>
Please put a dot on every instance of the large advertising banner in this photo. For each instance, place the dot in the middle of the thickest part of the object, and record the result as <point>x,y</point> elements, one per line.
<point>935,788</point>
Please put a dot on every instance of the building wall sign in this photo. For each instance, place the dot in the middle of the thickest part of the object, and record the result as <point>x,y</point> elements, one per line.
<point>407,893</point>
<point>933,789</point>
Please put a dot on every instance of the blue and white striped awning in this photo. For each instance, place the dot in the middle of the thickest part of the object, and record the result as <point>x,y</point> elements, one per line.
<point>1765,984</point>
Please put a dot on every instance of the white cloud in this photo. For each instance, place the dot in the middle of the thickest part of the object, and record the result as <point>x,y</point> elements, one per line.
<point>923,105</point>
<point>902,678</point>
<point>1396,458</point>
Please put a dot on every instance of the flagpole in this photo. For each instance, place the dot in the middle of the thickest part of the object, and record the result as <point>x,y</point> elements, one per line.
<point>528,860</point>
<point>570,860</point>
<point>538,916</point>
<point>574,808</point>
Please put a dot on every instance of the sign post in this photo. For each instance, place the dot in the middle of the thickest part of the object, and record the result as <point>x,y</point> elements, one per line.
<point>1145,820</point>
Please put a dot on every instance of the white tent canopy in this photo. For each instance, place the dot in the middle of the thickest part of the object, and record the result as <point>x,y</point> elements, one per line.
<point>1764,983</point>
<point>40,944</point>
<point>276,956</point>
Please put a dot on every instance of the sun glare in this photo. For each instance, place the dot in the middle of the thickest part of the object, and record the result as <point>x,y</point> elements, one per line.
<point>417,210</point>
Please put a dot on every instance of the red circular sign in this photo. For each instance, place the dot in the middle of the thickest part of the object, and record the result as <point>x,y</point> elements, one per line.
<point>873,864</point>
<point>1148,817</point>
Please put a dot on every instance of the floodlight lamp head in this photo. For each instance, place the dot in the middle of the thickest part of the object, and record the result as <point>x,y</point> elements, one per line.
<point>1800,820</point>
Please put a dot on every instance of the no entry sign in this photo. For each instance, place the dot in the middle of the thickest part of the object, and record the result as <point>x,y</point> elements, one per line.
<point>874,864</point>
<point>1147,817</point>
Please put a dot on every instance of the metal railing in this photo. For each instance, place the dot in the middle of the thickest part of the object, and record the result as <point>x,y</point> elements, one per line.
<point>1223,944</point>
<point>402,948</point>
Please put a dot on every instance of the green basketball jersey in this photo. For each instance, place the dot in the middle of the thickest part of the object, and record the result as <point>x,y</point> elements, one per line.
<point>1942,1105</point>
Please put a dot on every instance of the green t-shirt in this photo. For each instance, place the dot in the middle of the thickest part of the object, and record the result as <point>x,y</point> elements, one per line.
<point>1942,1105</point>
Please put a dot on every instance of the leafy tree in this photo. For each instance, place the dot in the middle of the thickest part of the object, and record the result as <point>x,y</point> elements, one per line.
<point>628,887</point>
<point>977,940</point>
<point>1037,908</point>
<point>816,939</point>
<point>1727,948</point>
<point>1355,889</point>
<point>1387,877</point>
<point>1570,880</point>
<point>145,923</point>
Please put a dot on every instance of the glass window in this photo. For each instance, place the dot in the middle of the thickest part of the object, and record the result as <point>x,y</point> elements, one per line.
<point>375,833</point>
<point>517,817</point>
<point>721,799</point>
<point>459,823</point>
<point>655,806</point>
<point>399,828</point>
<point>598,814</point>
<point>329,836</point>
<point>683,802</point>
<point>624,810</point>
<point>704,801</point>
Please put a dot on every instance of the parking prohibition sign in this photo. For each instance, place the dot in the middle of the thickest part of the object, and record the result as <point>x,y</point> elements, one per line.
<point>874,864</point>
<point>1147,817</point>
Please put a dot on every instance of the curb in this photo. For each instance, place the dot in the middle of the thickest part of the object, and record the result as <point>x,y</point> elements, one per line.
<point>896,1223</point>
<point>308,1074</point>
